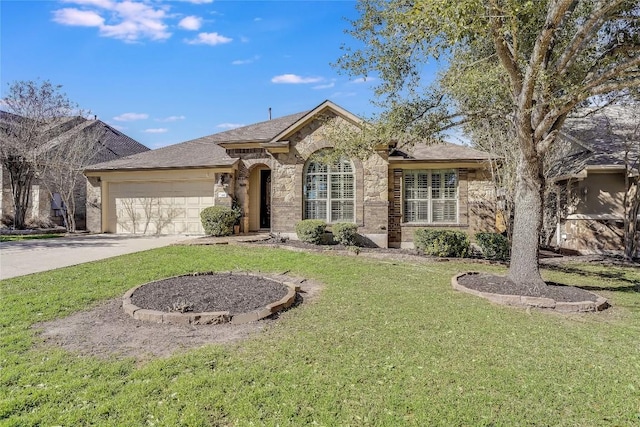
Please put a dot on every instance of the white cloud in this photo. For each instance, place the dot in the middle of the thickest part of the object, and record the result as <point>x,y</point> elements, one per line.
<point>343,94</point>
<point>130,117</point>
<point>229,125</point>
<point>327,86</point>
<point>75,17</point>
<point>127,20</point>
<point>192,23</point>
<point>257,19</point>
<point>211,39</point>
<point>295,79</point>
<point>156,130</point>
<point>363,80</point>
<point>106,4</point>
<point>171,119</point>
<point>245,61</point>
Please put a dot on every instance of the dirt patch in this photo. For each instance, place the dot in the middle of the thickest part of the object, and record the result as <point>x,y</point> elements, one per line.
<point>107,331</point>
<point>235,293</point>
<point>503,286</point>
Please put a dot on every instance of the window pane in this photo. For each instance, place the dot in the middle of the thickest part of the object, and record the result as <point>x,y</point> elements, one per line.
<point>329,191</point>
<point>450,185</point>
<point>342,210</point>
<point>444,210</point>
<point>315,210</point>
<point>422,186</point>
<point>436,183</point>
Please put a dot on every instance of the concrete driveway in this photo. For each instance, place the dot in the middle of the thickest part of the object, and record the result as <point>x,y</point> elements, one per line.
<point>32,256</point>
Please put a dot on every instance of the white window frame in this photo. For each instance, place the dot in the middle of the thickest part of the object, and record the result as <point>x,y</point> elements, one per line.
<point>420,201</point>
<point>324,184</point>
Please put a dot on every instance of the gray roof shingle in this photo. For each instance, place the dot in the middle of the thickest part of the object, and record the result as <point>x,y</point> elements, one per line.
<point>441,151</point>
<point>115,144</point>
<point>598,139</point>
<point>204,151</point>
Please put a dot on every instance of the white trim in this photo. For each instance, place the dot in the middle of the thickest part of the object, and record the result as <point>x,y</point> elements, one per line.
<point>429,195</point>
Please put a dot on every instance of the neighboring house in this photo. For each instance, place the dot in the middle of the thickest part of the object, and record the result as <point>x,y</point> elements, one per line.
<point>589,179</point>
<point>267,169</point>
<point>110,144</point>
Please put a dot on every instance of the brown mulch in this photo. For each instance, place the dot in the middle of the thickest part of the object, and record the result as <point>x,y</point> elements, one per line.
<point>106,331</point>
<point>236,293</point>
<point>503,286</point>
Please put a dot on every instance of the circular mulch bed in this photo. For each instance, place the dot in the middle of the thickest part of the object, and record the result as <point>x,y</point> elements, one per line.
<point>208,298</point>
<point>501,290</point>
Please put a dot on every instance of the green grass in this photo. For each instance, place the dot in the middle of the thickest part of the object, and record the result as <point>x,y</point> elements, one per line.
<point>385,344</point>
<point>18,237</point>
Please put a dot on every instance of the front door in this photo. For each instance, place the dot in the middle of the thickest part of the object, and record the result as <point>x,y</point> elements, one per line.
<point>265,199</point>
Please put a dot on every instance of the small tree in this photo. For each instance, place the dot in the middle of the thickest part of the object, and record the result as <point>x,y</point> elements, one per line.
<point>35,110</point>
<point>60,164</point>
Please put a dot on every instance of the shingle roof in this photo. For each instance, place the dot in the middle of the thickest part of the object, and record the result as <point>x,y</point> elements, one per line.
<point>258,132</point>
<point>597,139</point>
<point>442,151</point>
<point>115,144</point>
<point>191,154</point>
<point>205,151</point>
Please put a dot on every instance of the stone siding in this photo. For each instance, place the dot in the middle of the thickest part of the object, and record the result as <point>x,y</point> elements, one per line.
<point>371,186</point>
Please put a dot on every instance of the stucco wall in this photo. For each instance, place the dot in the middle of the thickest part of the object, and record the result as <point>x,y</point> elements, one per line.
<point>601,193</point>
<point>591,214</point>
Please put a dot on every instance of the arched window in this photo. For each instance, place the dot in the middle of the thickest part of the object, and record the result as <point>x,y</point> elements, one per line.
<point>329,191</point>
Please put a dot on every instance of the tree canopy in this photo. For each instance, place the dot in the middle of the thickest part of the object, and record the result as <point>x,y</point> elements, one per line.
<point>523,65</point>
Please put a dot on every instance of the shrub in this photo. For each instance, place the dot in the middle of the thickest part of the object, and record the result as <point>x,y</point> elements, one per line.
<point>345,233</point>
<point>311,230</point>
<point>39,222</point>
<point>442,243</point>
<point>219,220</point>
<point>493,245</point>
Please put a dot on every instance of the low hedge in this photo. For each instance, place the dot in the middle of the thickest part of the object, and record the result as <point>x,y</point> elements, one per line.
<point>345,233</point>
<point>442,243</point>
<point>493,245</point>
<point>219,220</point>
<point>311,230</point>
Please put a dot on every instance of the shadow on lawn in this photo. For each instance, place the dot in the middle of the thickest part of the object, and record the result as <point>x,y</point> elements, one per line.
<point>613,275</point>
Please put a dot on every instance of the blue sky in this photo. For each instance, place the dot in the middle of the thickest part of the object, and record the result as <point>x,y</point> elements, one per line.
<point>165,72</point>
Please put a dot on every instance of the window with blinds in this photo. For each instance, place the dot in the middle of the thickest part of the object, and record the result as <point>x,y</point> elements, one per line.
<point>329,191</point>
<point>431,196</point>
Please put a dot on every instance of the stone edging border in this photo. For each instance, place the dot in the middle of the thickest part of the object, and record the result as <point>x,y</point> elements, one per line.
<point>527,301</point>
<point>209,318</point>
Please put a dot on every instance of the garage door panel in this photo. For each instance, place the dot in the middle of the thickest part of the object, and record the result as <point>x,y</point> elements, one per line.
<point>159,207</point>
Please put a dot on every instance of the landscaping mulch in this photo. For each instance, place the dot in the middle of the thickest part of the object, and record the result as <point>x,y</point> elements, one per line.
<point>501,285</point>
<point>236,293</point>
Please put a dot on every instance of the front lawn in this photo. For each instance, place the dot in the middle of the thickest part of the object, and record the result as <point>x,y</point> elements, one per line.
<point>19,237</point>
<point>385,344</point>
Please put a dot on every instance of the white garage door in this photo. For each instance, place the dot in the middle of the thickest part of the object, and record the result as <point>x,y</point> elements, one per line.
<point>159,207</point>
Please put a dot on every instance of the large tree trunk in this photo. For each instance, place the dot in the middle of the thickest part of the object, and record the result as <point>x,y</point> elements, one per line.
<point>527,221</point>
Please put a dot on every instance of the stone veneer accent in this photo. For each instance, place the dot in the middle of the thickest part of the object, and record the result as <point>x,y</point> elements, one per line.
<point>371,203</point>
